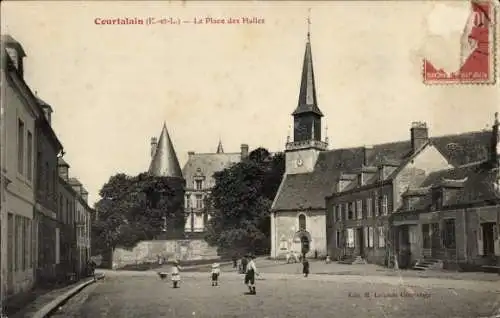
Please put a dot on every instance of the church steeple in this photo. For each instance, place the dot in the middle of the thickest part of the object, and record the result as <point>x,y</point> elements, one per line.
<point>219,147</point>
<point>164,161</point>
<point>307,115</point>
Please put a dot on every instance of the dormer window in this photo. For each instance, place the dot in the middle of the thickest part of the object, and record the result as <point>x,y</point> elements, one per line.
<point>360,179</point>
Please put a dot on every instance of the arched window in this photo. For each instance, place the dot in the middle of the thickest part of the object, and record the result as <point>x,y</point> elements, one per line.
<point>302,222</point>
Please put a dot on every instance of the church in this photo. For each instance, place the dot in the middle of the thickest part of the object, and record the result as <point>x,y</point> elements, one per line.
<point>302,219</point>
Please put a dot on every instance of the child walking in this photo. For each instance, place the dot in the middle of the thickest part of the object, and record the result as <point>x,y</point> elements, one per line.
<point>250,275</point>
<point>215,274</point>
<point>176,275</point>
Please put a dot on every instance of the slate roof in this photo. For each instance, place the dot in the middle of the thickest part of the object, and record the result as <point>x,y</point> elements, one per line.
<point>308,103</point>
<point>302,191</point>
<point>465,184</point>
<point>207,164</point>
<point>62,163</point>
<point>164,162</point>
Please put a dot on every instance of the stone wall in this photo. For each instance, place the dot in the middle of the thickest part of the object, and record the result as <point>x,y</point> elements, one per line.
<point>148,252</point>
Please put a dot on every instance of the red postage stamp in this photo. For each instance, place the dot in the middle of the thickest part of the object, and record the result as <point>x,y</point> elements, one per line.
<point>477,65</point>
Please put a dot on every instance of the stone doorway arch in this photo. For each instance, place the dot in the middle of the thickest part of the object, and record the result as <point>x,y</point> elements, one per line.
<point>304,239</point>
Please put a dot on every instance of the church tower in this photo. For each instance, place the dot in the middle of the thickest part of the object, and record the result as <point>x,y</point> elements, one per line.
<point>303,151</point>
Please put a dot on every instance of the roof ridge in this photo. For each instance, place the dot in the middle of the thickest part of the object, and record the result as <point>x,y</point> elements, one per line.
<point>408,140</point>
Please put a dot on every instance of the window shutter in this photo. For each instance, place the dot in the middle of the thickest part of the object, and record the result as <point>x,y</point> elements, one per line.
<point>497,239</point>
<point>480,247</point>
<point>365,229</point>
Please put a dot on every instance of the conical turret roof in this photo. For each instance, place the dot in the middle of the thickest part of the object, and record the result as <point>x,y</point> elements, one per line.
<point>164,161</point>
<point>220,149</point>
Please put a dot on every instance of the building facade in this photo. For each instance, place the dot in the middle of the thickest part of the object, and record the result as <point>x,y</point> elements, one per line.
<point>82,223</point>
<point>19,115</point>
<point>48,150</point>
<point>198,172</point>
<point>453,216</point>
<point>66,219</point>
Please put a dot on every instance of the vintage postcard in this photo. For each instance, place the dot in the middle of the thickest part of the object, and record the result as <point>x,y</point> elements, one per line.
<point>250,159</point>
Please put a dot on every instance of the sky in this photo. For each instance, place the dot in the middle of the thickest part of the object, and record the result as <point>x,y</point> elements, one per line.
<point>113,86</point>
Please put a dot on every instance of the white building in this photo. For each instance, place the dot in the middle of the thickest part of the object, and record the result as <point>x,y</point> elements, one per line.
<point>19,112</point>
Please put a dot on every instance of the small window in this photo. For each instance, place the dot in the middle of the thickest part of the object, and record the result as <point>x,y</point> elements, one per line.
<point>369,207</point>
<point>198,184</point>
<point>351,211</point>
<point>29,170</point>
<point>199,202</point>
<point>385,209</point>
<point>359,209</point>
<point>376,206</point>
<point>302,222</point>
<point>20,146</point>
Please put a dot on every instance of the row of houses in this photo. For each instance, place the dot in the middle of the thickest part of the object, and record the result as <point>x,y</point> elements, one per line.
<point>424,197</point>
<point>45,217</point>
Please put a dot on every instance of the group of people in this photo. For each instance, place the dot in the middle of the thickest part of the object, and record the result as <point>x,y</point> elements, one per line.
<point>248,267</point>
<point>250,273</point>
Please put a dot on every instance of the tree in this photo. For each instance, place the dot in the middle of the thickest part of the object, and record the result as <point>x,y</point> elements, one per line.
<point>240,202</point>
<point>133,209</point>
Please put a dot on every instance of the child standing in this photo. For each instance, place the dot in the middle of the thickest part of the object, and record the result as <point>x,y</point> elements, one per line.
<point>215,274</point>
<point>250,275</point>
<point>305,267</point>
<point>176,275</point>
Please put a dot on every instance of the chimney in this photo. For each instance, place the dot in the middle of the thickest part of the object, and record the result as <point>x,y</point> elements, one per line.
<point>190,154</point>
<point>244,151</point>
<point>63,168</point>
<point>368,151</point>
<point>154,144</point>
<point>419,135</point>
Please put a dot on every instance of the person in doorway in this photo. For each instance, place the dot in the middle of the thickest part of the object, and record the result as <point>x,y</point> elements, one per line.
<point>235,261</point>
<point>176,274</point>
<point>250,275</point>
<point>305,267</point>
<point>215,274</point>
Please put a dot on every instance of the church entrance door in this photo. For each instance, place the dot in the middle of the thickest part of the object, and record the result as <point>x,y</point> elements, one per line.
<point>304,243</point>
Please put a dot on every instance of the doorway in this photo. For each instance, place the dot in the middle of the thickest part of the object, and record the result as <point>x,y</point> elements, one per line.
<point>360,241</point>
<point>488,239</point>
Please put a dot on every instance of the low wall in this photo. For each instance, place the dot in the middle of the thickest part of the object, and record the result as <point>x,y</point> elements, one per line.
<point>149,251</point>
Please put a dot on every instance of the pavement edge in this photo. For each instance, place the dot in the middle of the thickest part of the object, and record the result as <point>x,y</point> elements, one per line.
<point>54,304</point>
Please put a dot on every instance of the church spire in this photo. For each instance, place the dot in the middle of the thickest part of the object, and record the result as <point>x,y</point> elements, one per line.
<point>164,161</point>
<point>307,97</point>
<point>219,147</point>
